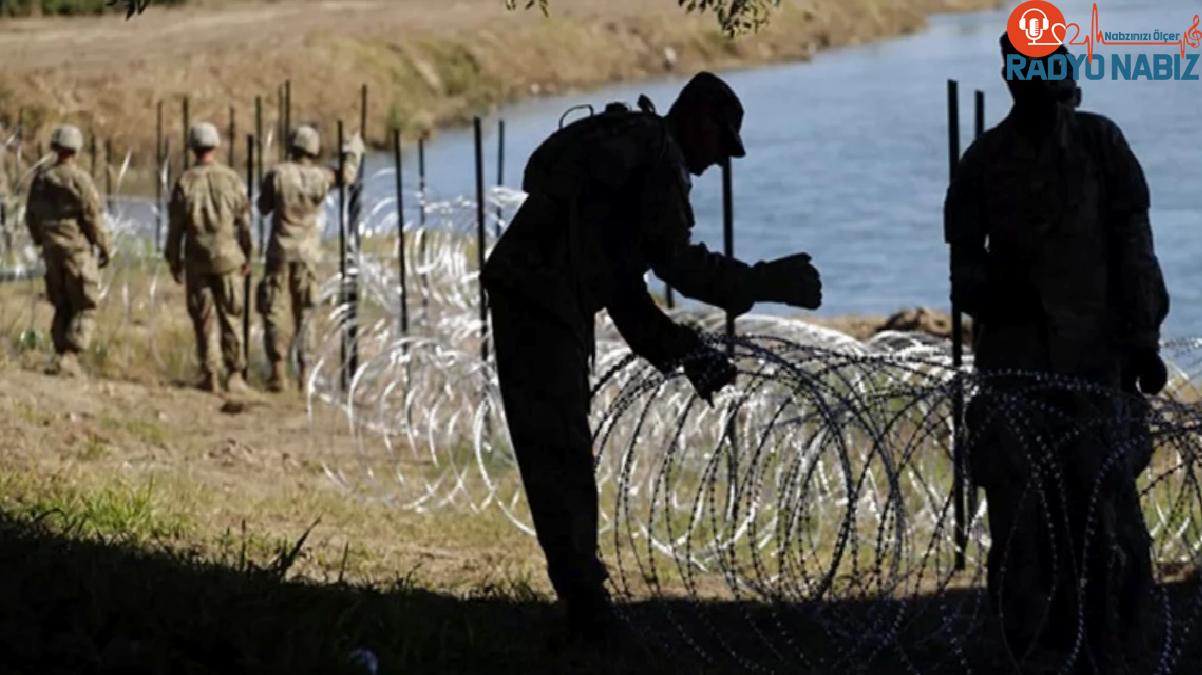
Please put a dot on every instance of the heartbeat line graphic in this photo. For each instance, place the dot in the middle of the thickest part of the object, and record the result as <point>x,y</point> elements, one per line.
<point>1191,38</point>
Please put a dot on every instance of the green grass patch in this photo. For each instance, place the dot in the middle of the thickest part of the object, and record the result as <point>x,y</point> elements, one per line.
<point>115,512</point>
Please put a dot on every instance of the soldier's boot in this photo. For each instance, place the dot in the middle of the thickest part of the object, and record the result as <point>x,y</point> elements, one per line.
<point>68,365</point>
<point>208,382</point>
<point>236,385</point>
<point>275,381</point>
<point>591,619</point>
<point>54,365</point>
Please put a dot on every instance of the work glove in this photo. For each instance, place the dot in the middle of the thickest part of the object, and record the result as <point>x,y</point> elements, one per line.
<point>1146,368</point>
<point>103,258</point>
<point>791,280</point>
<point>354,146</point>
<point>709,370</point>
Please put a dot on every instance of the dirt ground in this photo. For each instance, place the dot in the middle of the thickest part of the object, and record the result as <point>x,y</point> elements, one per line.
<point>258,471</point>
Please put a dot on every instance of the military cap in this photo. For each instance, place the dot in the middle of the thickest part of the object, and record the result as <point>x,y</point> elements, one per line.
<point>306,140</point>
<point>203,136</point>
<point>1066,89</point>
<point>710,92</point>
<point>66,137</point>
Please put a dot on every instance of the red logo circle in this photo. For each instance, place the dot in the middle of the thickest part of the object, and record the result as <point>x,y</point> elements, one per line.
<point>1037,28</point>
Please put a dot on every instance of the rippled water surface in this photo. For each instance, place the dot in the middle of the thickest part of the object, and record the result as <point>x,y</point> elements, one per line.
<point>847,155</point>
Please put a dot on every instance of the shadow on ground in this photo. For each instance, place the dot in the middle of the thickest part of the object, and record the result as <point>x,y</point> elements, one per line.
<point>77,605</point>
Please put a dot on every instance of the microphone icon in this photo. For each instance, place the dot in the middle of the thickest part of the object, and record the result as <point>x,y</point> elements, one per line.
<point>1034,28</point>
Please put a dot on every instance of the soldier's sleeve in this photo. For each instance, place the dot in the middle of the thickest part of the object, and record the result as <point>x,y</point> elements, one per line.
<point>91,221</point>
<point>690,268</point>
<point>964,226</point>
<point>176,216</point>
<point>1142,297</point>
<point>350,170</point>
<point>648,331</point>
<point>267,193</point>
<point>34,202</point>
<point>334,179</point>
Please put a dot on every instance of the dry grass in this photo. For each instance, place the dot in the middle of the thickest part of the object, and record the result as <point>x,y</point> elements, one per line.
<point>137,423</point>
<point>429,63</point>
<point>187,539</point>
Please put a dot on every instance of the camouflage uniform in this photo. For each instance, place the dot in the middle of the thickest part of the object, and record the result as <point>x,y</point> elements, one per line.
<point>293,192</point>
<point>64,216</point>
<point>1055,263</point>
<point>608,200</point>
<point>209,240</point>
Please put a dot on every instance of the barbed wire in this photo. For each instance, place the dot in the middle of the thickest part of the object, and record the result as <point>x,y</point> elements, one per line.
<point>803,521</point>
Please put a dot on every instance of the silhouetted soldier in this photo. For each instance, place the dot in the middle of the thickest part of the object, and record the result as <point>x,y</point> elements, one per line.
<point>609,200</point>
<point>65,218</point>
<point>1048,218</point>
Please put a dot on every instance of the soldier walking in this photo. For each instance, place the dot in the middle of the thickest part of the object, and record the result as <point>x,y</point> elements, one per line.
<point>609,200</point>
<point>208,250</point>
<point>64,216</point>
<point>1047,216</point>
<point>293,193</point>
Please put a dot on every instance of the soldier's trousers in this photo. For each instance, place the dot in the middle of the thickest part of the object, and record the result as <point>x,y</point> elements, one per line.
<point>73,287</point>
<point>1070,550</point>
<point>216,299</point>
<point>288,290</point>
<point>543,371</point>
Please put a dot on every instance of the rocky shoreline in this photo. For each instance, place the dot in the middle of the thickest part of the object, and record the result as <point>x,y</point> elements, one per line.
<point>934,322</point>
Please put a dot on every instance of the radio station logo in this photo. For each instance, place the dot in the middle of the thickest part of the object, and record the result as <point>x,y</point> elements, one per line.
<point>1038,28</point>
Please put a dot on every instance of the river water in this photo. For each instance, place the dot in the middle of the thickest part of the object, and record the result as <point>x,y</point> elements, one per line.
<point>846,155</point>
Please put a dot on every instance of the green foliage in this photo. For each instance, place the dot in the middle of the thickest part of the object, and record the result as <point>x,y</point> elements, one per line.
<point>543,5</point>
<point>28,340</point>
<point>735,16</point>
<point>77,7</point>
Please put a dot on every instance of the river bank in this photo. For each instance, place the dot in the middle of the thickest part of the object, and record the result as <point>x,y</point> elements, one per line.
<point>428,64</point>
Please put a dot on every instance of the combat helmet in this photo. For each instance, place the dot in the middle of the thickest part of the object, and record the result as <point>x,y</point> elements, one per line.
<point>66,137</point>
<point>203,136</point>
<point>305,139</point>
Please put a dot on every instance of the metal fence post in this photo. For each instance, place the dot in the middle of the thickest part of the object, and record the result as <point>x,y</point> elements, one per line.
<point>259,164</point>
<point>480,238</point>
<point>342,251</point>
<point>500,172</point>
<point>248,278</point>
<point>958,470</point>
<point>400,229</point>
<point>158,177</point>
<point>232,134</point>
<point>187,115</point>
<point>110,203</point>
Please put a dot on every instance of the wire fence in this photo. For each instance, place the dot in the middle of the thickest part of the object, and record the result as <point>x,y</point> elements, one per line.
<point>803,521</point>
